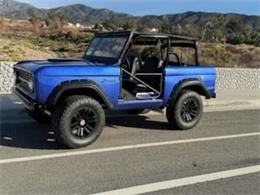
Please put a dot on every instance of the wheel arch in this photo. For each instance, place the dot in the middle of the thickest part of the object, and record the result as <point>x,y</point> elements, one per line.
<point>77,87</point>
<point>195,85</point>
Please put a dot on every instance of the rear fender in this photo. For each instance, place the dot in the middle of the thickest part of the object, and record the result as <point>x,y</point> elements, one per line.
<point>190,84</point>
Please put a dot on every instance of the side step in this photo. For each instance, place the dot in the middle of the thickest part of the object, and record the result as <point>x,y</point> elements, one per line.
<point>145,96</point>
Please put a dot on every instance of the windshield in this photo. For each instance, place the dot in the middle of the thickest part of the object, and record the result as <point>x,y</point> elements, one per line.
<point>104,49</point>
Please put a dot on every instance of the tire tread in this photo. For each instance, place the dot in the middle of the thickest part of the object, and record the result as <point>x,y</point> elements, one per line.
<point>60,115</point>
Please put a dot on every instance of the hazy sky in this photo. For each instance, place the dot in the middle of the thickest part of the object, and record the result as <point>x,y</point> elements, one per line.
<point>157,7</point>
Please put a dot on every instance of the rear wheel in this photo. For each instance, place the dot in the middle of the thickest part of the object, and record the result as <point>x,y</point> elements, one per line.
<point>79,122</point>
<point>186,111</point>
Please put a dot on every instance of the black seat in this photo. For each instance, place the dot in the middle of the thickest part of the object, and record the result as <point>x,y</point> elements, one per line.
<point>151,65</point>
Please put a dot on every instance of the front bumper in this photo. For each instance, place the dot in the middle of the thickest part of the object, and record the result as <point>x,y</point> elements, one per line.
<point>28,102</point>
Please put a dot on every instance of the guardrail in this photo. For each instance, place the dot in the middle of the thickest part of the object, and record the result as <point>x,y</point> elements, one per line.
<point>228,78</point>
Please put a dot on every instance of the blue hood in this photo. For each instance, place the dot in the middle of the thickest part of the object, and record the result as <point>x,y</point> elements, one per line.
<point>68,67</point>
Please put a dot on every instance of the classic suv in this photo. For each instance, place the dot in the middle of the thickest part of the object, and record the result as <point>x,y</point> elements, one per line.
<point>119,71</point>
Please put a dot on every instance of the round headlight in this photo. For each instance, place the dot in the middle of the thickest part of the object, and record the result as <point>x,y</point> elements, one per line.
<point>30,85</point>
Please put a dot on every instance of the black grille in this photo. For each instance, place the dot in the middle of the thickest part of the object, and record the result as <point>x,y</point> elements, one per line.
<point>23,75</point>
<point>21,79</point>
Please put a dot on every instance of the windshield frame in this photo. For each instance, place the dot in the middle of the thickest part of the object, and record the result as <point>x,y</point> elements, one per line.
<point>107,60</point>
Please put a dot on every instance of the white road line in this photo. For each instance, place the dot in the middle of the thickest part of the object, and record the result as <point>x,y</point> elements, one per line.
<point>169,184</point>
<point>120,148</point>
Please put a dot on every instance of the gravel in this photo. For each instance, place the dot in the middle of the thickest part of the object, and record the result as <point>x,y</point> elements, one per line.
<point>238,78</point>
<point>6,77</point>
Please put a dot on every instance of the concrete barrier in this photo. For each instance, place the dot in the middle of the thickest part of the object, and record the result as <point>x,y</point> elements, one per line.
<point>228,78</point>
<point>238,78</point>
<point>6,77</point>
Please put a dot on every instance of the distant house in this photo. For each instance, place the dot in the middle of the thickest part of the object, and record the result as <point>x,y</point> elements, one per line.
<point>89,27</point>
<point>120,29</point>
<point>78,25</point>
<point>154,30</point>
<point>70,25</point>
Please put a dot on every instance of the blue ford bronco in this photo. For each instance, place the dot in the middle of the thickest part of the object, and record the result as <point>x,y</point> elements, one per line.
<point>119,71</point>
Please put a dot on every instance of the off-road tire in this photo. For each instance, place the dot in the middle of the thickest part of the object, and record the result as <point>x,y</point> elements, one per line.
<point>39,116</point>
<point>175,109</point>
<point>62,118</point>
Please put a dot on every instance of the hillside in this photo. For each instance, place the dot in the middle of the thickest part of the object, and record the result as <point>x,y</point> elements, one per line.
<point>76,13</point>
<point>20,40</point>
<point>16,10</point>
<point>230,28</point>
<point>87,15</point>
<point>199,19</point>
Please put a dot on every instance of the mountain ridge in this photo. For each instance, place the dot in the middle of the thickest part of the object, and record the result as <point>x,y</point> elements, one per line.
<point>76,13</point>
<point>80,13</point>
<point>232,28</point>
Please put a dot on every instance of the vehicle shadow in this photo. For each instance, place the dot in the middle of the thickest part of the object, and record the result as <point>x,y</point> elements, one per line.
<point>19,131</point>
<point>138,122</point>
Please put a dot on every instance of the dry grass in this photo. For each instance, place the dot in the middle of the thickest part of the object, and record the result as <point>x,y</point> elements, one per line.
<point>20,40</point>
<point>225,55</point>
<point>16,50</point>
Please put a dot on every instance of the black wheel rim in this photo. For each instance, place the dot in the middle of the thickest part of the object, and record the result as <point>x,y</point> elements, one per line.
<point>83,123</point>
<point>190,110</point>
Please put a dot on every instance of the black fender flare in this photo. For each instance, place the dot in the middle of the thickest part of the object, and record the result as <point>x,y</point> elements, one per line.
<point>193,84</point>
<point>75,84</point>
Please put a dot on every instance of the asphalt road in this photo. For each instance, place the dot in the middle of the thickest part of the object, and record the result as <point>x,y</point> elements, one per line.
<point>220,156</point>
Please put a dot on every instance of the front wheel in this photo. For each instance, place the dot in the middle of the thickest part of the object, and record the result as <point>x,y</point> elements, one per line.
<point>79,122</point>
<point>186,111</point>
